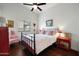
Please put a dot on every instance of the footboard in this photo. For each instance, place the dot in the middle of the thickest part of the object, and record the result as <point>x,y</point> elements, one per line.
<point>29,43</point>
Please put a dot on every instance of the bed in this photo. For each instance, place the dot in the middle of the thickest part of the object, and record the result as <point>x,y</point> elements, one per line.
<point>36,43</point>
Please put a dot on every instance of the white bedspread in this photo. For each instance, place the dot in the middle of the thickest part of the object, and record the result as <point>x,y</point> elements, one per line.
<point>42,41</point>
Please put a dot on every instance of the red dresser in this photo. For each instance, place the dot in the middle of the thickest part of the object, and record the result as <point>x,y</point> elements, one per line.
<point>4,41</point>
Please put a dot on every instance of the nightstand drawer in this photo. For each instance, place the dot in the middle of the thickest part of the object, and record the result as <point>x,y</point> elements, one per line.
<point>64,43</point>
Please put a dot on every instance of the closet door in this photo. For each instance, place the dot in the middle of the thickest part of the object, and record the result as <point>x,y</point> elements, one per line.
<point>4,41</point>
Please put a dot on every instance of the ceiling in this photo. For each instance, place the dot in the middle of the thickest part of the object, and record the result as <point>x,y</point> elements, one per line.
<point>43,7</point>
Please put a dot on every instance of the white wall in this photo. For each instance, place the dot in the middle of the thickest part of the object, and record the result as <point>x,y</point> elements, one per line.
<point>66,15</point>
<point>1,10</point>
<point>18,12</point>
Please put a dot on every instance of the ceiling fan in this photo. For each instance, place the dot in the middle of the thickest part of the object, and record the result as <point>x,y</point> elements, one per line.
<point>35,5</point>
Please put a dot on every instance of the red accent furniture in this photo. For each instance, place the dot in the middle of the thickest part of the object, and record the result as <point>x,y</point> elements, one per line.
<point>4,41</point>
<point>64,43</point>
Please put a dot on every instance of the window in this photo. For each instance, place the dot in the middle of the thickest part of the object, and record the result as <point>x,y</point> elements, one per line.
<point>24,26</point>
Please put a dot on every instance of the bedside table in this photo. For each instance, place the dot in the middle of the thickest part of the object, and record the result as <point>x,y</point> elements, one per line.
<point>64,43</point>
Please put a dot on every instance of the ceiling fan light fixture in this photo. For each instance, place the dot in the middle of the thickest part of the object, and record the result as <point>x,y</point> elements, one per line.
<point>35,6</point>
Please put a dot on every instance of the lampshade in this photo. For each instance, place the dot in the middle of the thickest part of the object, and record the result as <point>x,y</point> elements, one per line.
<point>61,28</point>
<point>60,34</point>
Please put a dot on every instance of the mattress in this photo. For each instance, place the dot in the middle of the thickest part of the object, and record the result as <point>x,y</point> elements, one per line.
<point>42,41</point>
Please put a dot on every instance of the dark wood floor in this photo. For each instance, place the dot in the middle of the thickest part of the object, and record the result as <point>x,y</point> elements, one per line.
<point>17,50</point>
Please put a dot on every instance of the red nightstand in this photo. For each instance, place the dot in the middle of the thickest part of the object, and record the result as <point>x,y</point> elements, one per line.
<point>64,43</point>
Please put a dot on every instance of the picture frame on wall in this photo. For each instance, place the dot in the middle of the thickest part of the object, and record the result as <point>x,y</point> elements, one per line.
<point>10,23</point>
<point>49,23</point>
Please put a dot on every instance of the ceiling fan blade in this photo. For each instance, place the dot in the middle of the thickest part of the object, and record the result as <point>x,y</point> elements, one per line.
<point>27,4</point>
<point>32,9</point>
<point>41,4</point>
<point>39,8</point>
<point>34,3</point>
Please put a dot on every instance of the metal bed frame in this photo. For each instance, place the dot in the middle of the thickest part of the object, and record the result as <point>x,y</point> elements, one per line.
<point>29,44</point>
